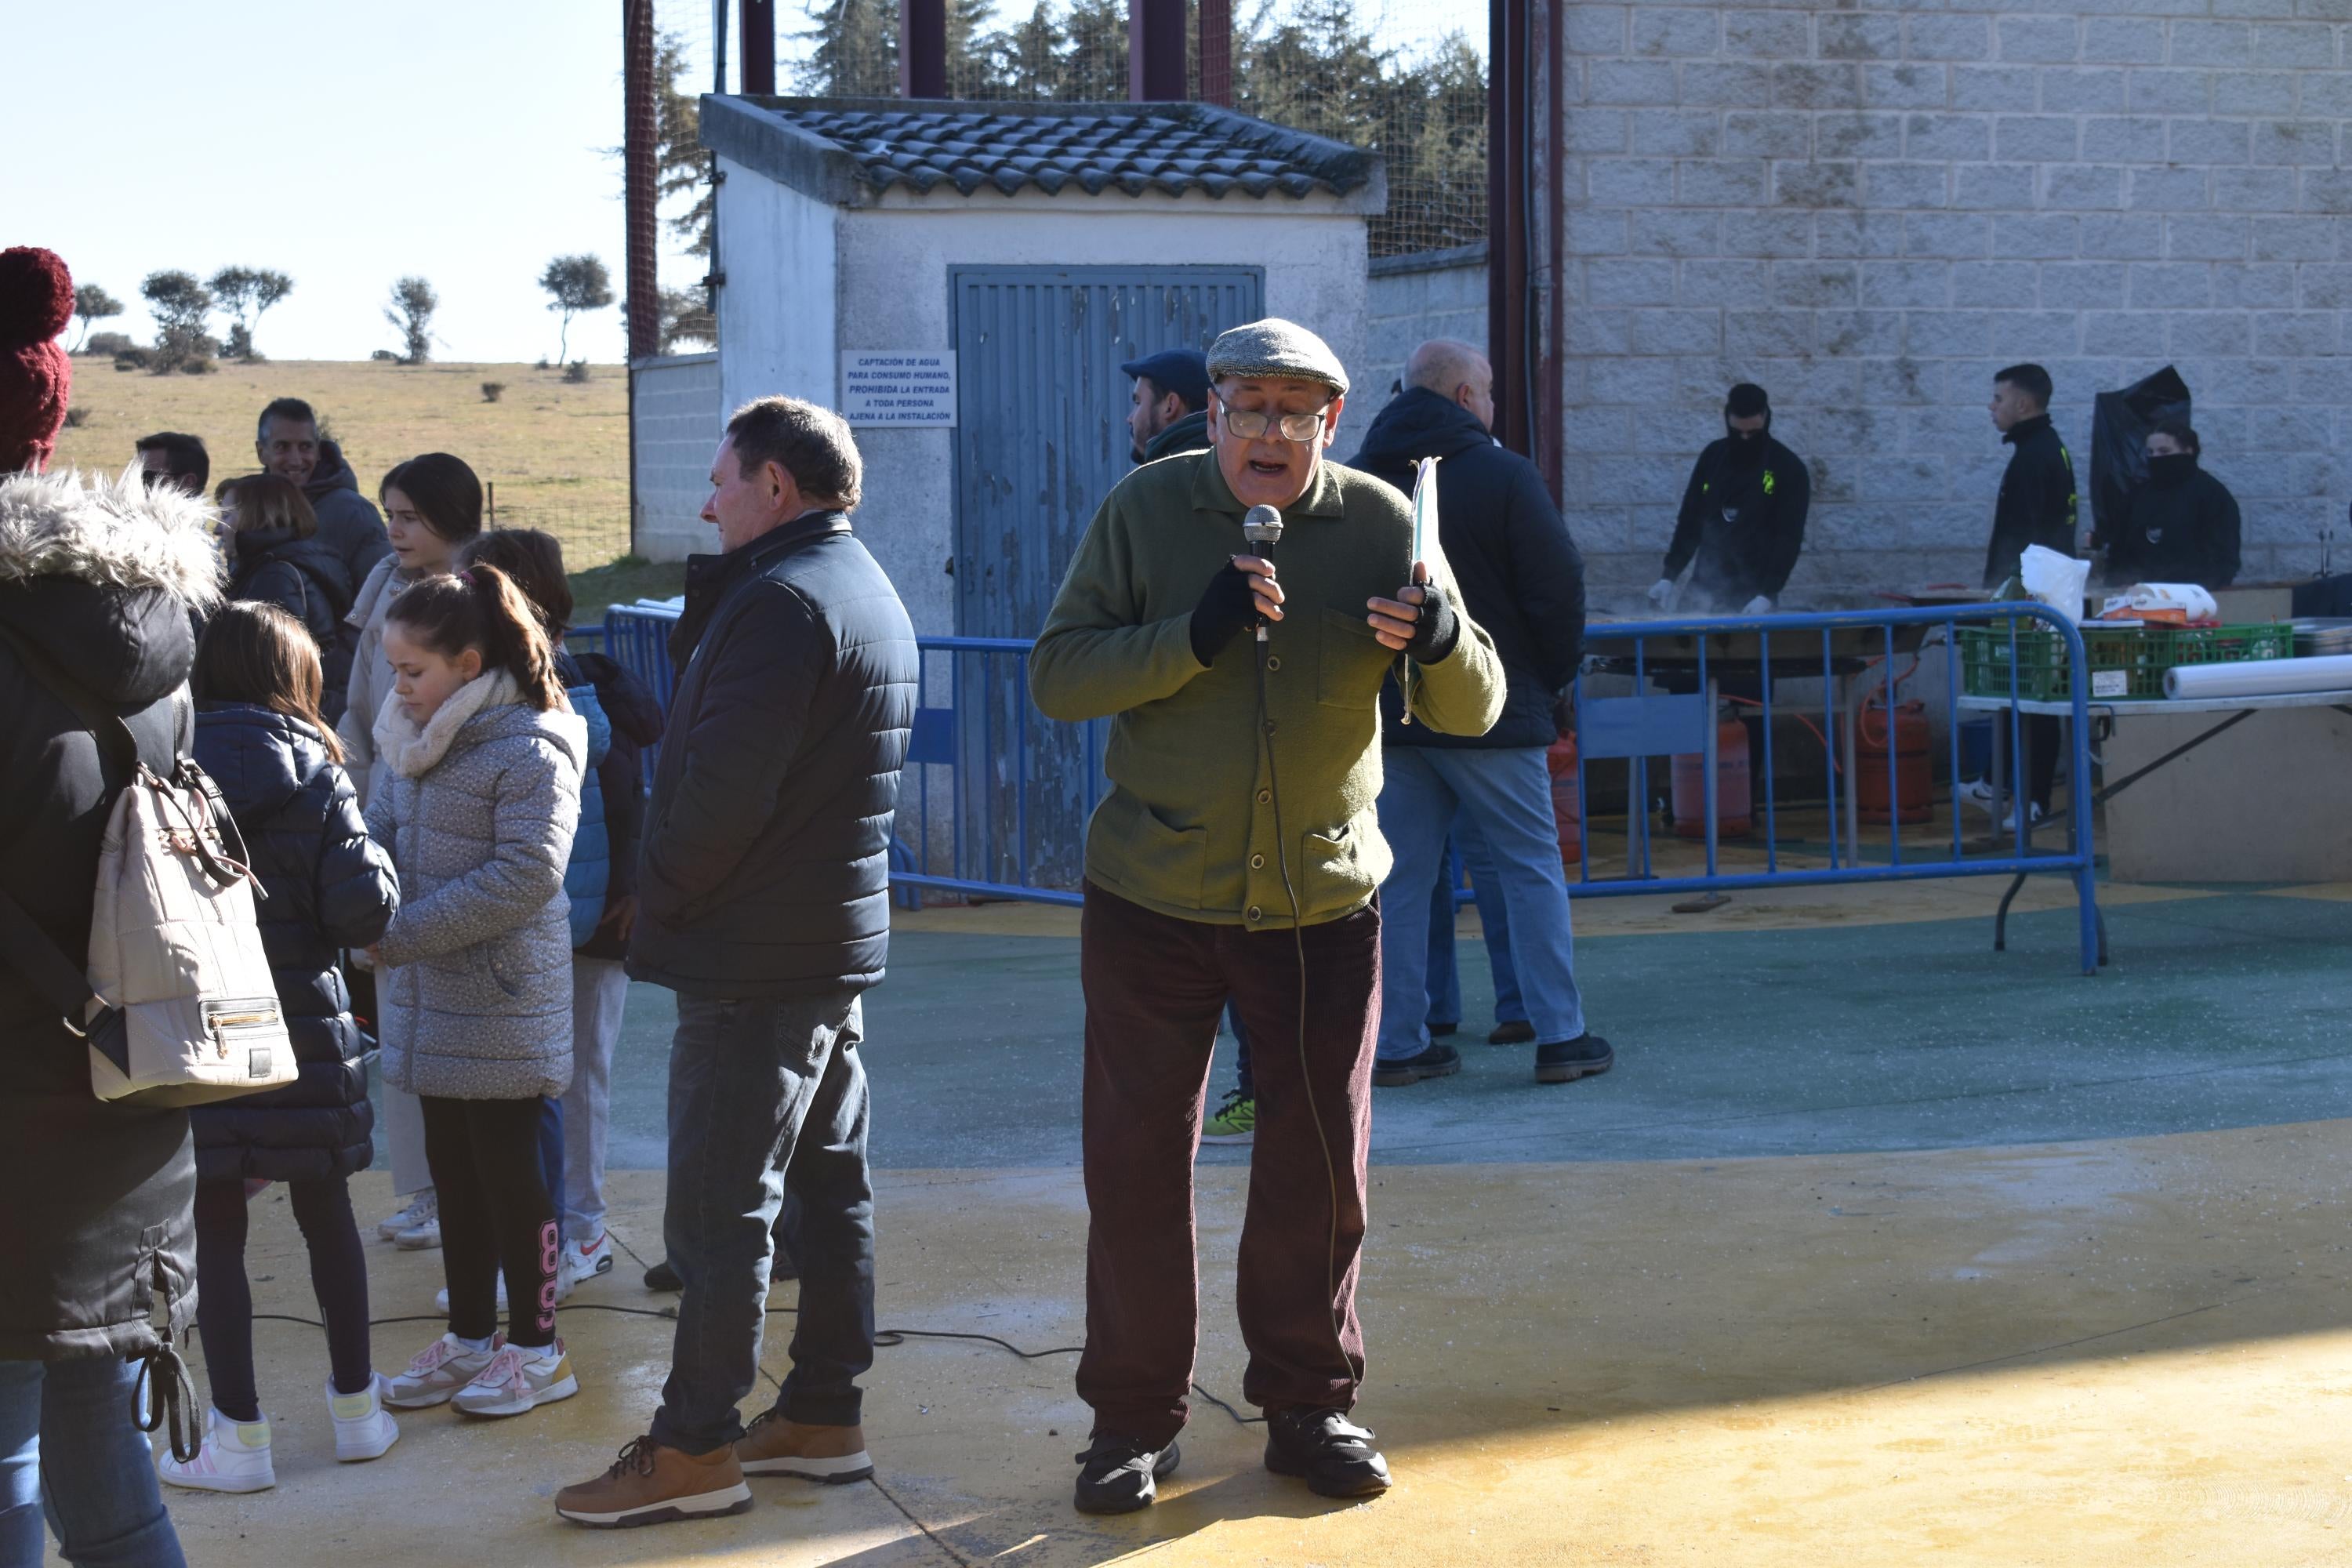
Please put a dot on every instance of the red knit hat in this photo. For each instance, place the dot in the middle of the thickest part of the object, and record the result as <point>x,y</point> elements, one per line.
<point>37,298</point>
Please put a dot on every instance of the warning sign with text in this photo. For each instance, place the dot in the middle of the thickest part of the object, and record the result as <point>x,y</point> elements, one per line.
<point>898,388</point>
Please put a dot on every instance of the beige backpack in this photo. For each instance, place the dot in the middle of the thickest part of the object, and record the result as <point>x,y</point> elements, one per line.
<point>178,1004</point>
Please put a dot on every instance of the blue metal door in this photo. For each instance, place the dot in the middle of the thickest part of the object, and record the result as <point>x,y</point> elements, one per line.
<point>1041,437</point>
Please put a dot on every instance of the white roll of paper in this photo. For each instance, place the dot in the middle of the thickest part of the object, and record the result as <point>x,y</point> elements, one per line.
<point>2259,678</point>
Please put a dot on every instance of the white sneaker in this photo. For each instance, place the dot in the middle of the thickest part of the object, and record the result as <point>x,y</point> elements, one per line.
<point>1977,793</point>
<point>234,1459</point>
<point>420,1238</point>
<point>583,1261</point>
<point>2009,823</point>
<point>439,1370</point>
<point>441,1297</point>
<point>422,1207</point>
<point>517,1380</point>
<point>364,1428</point>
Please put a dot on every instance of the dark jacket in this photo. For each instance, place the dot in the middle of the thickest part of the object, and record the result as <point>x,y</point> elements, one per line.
<point>2176,530</point>
<point>305,578</point>
<point>2037,500</point>
<point>328,887</point>
<point>348,522</point>
<point>95,1236</point>
<point>1519,570</point>
<point>1190,434</point>
<point>636,719</point>
<point>766,869</point>
<point>1745,522</point>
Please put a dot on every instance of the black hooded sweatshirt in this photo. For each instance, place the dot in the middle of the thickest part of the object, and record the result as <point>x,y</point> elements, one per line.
<point>1743,516</point>
<point>2180,527</point>
<point>349,524</point>
<point>307,580</point>
<point>2037,500</point>
<point>1519,570</point>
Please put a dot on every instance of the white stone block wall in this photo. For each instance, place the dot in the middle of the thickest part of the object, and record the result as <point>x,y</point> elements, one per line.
<point>1870,209</point>
<point>1411,298</point>
<point>678,420</point>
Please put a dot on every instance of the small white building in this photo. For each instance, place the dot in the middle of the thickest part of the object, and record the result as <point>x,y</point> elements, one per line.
<point>964,281</point>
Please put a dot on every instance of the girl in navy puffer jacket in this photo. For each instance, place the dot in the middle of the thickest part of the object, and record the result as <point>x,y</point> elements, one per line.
<point>259,734</point>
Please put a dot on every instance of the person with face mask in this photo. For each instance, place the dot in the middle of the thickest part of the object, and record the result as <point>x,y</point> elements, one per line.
<point>2181,526</point>
<point>1743,515</point>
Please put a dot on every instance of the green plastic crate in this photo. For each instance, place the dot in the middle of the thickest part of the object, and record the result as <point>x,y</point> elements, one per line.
<point>2125,664</point>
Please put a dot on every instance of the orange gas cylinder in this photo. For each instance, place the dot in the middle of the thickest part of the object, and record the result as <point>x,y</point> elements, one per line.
<point>1566,802</point>
<point>1913,784</point>
<point>1734,796</point>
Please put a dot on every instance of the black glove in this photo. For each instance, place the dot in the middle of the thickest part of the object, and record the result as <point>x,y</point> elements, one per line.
<point>1227,608</point>
<point>1439,628</point>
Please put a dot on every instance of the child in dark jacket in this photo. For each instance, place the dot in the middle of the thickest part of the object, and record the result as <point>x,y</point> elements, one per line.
<point>259,734</point>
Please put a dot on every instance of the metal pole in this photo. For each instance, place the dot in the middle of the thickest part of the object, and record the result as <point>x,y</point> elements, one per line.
<point>1507,132</point>
<point>1217,34</point>
<point>639,172</point>
<point>759,47</point>
<point>922,48</point>
<point>1155,51</point>
<point>1552,363</point>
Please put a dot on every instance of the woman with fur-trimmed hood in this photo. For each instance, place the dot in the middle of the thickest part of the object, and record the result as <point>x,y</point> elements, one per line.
<point>96,1249</point>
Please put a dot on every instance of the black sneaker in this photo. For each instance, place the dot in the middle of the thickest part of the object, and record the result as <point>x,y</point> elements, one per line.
<point>1567,1060</point>
<point>1120,1475</point>
<point>1518,1032</point>
<point>1437,1061</point>
<point>662,1277</point>
<point>1331,1453</point>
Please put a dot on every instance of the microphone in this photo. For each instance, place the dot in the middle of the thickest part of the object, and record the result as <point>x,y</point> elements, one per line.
<point>1262,526</point>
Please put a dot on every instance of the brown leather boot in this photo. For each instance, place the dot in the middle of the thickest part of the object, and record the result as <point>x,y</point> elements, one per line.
<point>650,1484</point>
<point>774,1446</point>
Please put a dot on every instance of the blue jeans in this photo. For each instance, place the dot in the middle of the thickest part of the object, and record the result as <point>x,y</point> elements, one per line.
<point>766,1097</point>
<point>1506,794</point>
<point>1494,919</point>
<point>67,1442</point>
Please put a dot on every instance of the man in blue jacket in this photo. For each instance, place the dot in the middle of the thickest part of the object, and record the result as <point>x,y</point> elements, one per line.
<point>1522,579</point>
<point>763,901</point>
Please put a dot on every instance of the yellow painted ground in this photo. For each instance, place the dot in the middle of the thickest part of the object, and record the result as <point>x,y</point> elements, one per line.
<point>2134,1353</point>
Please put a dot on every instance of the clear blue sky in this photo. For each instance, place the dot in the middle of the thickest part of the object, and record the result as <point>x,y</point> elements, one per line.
<point>343,144</point>
<point>348,144</point>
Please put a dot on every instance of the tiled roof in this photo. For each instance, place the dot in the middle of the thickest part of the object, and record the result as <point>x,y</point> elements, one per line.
<point>1075,149</point>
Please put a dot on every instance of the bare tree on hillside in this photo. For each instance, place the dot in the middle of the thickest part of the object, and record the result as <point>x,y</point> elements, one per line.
<point>575,283</point>
<point>246,293</point>
<point>93,304</point>
<point>412,304</point>
<point>179,304</point>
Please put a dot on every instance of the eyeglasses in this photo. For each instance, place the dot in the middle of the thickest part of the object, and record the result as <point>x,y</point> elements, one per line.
<point>1252,426</point>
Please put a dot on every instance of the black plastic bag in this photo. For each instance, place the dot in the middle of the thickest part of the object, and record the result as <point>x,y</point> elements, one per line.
<point>2120,422</point>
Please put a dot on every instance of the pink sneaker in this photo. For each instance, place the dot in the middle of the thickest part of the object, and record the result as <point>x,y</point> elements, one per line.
<point>439,1370</point>
<point>518,1380</point>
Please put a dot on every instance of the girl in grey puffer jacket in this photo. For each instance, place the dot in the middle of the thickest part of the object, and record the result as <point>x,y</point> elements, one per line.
<point>475,972</point>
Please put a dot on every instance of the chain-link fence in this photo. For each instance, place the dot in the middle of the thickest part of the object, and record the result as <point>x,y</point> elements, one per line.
<point>1407,80</point>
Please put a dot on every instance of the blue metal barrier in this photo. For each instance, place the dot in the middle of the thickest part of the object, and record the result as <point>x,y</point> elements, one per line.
<point>1009,821</point>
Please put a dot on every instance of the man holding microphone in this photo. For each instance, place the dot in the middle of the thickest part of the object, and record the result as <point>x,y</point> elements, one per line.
<point>1238,854</point>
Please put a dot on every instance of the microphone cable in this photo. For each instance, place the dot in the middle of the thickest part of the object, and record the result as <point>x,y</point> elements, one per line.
<point>1306,1087</point>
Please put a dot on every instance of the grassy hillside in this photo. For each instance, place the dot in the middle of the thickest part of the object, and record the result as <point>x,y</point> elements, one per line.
<point>556,452</point>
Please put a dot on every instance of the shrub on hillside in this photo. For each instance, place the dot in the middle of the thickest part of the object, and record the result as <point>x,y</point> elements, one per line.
<point>576,371</point>
<point>108,344</point>
<point>385,356</point>
<point>490,390</point>
<point>196,365</point>
<point>75,418</point>
<point>135,358</point>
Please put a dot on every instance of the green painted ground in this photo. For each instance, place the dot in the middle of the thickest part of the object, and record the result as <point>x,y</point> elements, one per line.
<point>2220,1012</point>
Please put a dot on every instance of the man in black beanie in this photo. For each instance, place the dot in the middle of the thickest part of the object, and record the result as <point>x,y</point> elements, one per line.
<point>1743,515</point>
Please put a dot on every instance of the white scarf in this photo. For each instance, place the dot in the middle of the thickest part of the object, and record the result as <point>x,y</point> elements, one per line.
<point>413,750</point>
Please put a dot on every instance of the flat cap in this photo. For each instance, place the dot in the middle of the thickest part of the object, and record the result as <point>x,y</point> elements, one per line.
<point>1274,347</point>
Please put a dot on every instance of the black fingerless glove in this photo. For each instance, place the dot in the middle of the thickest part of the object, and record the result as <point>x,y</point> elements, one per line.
<point>1439,628</point>
<point>1227,608</point>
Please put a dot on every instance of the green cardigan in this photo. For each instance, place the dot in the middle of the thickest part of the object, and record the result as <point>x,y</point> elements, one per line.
<point>1188,827</point>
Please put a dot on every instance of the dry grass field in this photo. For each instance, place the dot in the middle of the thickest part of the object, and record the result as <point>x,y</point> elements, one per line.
<point>556,452</point>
